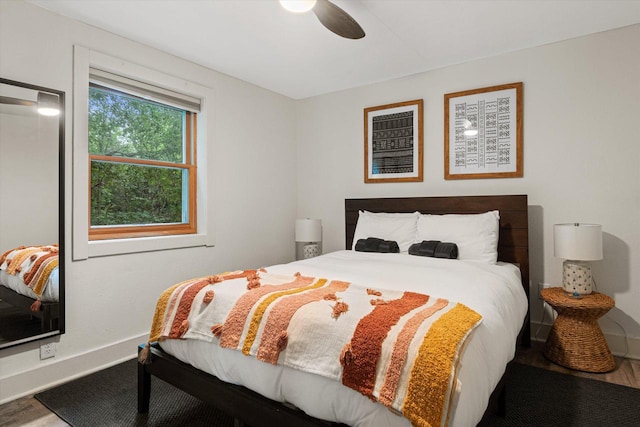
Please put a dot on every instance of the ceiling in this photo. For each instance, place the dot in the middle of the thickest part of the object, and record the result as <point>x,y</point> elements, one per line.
<point>294,55</point>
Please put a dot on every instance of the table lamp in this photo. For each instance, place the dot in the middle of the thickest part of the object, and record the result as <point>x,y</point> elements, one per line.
<point>577,243</point>
<point>308,238</point>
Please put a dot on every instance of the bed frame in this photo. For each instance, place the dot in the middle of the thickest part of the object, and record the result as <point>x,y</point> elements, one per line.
<point>246,406</point>
<point>49,312</point>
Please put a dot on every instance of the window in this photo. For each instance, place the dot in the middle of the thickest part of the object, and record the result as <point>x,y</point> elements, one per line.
<point>142,159</point>
<point>166,88</point>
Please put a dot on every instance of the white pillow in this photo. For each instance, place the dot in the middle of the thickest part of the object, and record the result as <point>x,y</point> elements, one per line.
<point>475,234</point>
<point>399,227</point>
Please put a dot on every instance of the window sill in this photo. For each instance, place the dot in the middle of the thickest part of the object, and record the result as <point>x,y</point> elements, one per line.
<point>100,248</point>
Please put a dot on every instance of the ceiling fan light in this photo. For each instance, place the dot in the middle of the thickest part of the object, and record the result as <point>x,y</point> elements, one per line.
<point>469,130</point>
<point>48,104</point>
<point>298,6</point>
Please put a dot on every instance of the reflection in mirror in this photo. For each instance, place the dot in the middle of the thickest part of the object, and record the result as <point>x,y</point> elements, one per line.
<point>31,212</point>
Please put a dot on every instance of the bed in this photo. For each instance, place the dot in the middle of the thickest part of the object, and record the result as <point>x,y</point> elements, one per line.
<point>29,281</point>
<point>475,389</point>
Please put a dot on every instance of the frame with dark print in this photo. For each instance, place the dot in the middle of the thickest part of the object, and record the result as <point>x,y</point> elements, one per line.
<point>393,142</point>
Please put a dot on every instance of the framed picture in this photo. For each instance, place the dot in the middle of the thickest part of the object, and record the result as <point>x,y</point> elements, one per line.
<point>393,142</point>
<point>483,133</point>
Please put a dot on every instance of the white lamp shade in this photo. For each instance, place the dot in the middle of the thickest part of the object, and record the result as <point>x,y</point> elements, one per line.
<point>576,241</point>
<point>308,230</point>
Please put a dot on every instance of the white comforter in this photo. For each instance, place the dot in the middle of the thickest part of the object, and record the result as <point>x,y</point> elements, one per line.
<point>15,283</point>
<point>494,291</point>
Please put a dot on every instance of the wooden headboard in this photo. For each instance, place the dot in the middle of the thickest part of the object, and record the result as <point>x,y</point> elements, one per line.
<point>513,244</point>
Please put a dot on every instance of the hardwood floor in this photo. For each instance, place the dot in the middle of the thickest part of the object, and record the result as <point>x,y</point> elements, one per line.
<point>28,412</point>
<point>627,371</point>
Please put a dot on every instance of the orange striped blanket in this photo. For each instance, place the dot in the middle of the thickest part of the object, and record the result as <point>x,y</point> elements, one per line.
<point>397,348</point>
<point>33,264</point>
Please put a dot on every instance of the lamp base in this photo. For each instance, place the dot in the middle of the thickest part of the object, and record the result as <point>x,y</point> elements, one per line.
<point>576,277</point>
<point>306,250</point>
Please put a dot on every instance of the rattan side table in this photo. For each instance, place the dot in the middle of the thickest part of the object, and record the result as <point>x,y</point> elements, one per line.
<point>576,340</point>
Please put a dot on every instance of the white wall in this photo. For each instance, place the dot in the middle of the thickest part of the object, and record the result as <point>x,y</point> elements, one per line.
<point>581,155</point>
<point>28,174</point>
<point>581,161</point>
<point>110,300</point>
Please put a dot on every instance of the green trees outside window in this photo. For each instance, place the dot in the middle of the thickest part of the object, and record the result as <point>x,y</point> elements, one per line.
<point>140,161</point>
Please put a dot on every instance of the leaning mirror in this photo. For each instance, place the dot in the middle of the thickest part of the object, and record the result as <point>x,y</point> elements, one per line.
<point>31,212</point>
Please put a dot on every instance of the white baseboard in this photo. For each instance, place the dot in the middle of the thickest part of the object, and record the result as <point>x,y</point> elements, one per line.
<point>619,345</point>
<point>66,369</point>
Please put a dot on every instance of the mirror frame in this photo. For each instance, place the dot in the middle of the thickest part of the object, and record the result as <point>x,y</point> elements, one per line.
<point>61,213</point>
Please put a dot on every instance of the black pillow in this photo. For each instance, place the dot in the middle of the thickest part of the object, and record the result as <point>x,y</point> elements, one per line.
<point>389,246</point>
<point>435,249</point>
<point>373,244</point>
<point>426,248</point>
<point>446,250</point>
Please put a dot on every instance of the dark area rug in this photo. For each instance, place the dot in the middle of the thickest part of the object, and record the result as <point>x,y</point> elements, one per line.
<point>535,397</point>
<point>109,398</point>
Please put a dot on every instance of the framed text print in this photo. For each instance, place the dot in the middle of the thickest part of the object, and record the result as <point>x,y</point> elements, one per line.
<point>483,133</point>
<point>393,142</point>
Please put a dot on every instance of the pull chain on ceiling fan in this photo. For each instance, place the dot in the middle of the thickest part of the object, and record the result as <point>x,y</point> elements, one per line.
<point>331,16</point>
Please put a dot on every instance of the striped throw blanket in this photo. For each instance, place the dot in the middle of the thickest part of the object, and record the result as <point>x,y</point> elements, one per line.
<point>397,348</point>
<point>33,264</point>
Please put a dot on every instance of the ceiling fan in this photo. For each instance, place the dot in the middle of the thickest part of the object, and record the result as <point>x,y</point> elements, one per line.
<point>331,16</point>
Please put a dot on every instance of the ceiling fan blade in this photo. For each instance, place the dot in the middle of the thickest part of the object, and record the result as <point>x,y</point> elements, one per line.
<point>337,20</point>
<point>16,101</point>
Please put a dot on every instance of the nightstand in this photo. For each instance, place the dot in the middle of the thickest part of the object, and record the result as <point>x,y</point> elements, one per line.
<point>576,340</point>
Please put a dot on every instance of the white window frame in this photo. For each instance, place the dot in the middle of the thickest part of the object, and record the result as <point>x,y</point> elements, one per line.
<point>82,247</point>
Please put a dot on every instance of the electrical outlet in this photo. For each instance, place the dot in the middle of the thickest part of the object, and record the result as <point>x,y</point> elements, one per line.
<point>542,286</point>
<point>47,350</point>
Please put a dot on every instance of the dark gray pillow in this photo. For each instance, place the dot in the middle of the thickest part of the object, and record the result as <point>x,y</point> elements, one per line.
<point>374,244</point>
<point>435,249</point>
